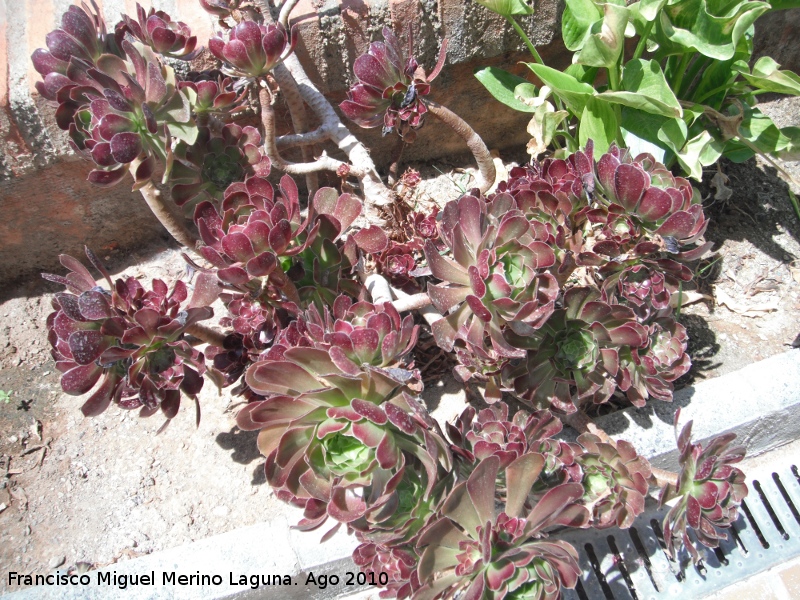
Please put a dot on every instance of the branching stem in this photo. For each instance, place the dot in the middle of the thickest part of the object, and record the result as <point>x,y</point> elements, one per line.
<point>297,112</point>
<point>323,163</point>
<point>207,334</point>
<point>173,223</point>
<point>486,170</point>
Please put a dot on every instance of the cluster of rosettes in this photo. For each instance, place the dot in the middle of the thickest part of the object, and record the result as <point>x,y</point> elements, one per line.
<point>340,425</point>
<point>558,286</point>
<point>260,245</point>
<point>129,339</point>
<point>479,530</point>
<point>389,89</point>
<point>119,102</point>
<point>710,490</point>
<point>128,111</point>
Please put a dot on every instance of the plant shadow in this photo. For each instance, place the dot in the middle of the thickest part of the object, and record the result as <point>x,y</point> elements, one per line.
<point>245,450</point>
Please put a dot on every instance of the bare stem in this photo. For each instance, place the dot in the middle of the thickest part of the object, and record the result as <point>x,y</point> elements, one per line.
<point>297,111</point>
<point>412,302</point>
<point>664,477</point>
<point>286,10</point>
<point>381,291</point>
<point>375,192</point>
<point>486,170</point>
<point>394,168</point>
<point>308,138</point>
<point>323,163</point>
<point>581,423</point>
<point>361,165</point>
<point>207,334</point>
<point>175,225</point>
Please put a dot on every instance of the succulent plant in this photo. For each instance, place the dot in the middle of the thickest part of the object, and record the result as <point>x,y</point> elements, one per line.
<point>214,95</point>
<point>253,228</point>
<point>397,263</point>
<point>204,170</point>
<point>389,89</point>
<point>650,371</point>
<point>253,50</point>
<point>157,30</point>
<point>497,278</point>
<point>574,357</point>
<point>398,563</point>
<point>645,208</point>
<point>129,337</point>
<point>329,433</point>
<point>474,551</point>
<point>82,39</point>
<point>358,334</point>
<point>120,114</point>
<point>709,491</point>
<point>615,480</point>
<point>493,434</point>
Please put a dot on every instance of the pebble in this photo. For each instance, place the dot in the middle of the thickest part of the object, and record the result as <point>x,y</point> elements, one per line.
<point>57,561</point>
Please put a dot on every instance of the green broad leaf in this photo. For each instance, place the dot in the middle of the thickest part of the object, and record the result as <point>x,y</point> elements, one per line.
<point>668,134</point>
<point>792,150</point>
<point>529,94</point>
<point>638,145</point>
<point>767,76</point>
<point>689,156</point>
<point>648,9</point>
<point>604,44</point>
<point>186,132</point>
<point>758,134</point>
<point>711,153</point>
<point>582,73</point>
<point>598,122</point>
<point>573,92</point>
<point>784,4</point>
<point>501,85</point>
<point>577,20</point>
<point>507,8</point>
<point>645,88</point>
<point>690,24</point>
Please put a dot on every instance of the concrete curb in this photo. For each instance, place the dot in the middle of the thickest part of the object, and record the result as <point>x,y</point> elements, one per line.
<point>760,403</point>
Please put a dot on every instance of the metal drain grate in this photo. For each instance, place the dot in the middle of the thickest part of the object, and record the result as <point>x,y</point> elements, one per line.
<point>632,565</point>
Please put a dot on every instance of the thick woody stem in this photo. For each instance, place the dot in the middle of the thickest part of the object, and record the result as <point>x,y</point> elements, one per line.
<point>381,291</point>
<point>375,192</point>
<point>174,224</point>
<point>581,423</point>
<point>286,10</point>
<point>394,168</point>
<point>301,139</point>
<point>486,170</point>
<point>664,477</point>
<point>412,302</point>
<point>323,163</point>
<point>207,334</point>
<point>297,111</point>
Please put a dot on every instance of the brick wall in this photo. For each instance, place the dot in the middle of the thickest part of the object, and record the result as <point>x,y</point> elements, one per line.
<point>50,208</point>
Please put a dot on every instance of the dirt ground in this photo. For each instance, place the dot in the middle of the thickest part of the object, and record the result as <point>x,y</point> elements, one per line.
<point>78,492</point>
